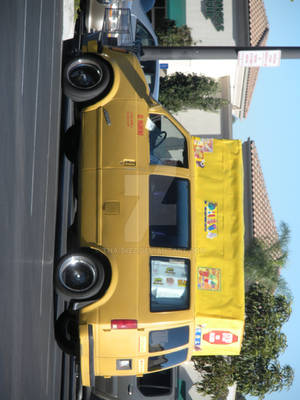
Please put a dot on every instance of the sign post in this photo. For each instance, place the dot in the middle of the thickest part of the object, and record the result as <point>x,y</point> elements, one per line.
<point>212,52</point>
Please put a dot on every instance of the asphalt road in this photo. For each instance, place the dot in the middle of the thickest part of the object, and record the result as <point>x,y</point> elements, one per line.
<point>30,102</point>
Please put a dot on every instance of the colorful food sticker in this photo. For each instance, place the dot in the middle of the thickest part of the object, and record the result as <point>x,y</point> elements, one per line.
<point>168,277</point>
<point>220,337</point>
<point>170,281</point>
<point>170,271</point>
<point>202,146</point>
<point>182,282</point>
<point>210,219</point>
<point>198,336</point>
<point>209,278</point>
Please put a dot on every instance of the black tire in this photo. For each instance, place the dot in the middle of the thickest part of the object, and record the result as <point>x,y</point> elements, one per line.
<point>79,276</point>
<point>67,333</point>
<point>70,143</point>
<point>86,77</point>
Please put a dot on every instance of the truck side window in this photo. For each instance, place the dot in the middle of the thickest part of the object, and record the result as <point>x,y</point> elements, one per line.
<point>169,212</point>
<point>167,144</point>
<point>167,339</point>
<point>167,360</point>
<point>170,291</point>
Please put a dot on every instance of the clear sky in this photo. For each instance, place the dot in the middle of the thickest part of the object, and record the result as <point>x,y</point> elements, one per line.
<point>273,122</point>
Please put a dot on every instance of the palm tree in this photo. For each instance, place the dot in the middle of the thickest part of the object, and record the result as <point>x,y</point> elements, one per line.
<point>263,262</point>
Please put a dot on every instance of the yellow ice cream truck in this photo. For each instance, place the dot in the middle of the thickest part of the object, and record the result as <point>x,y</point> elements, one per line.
<point>158,273</point>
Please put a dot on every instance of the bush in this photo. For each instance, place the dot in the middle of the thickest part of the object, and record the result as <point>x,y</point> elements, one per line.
<point>180,92</point>
<point>256,370</point>
<point>171,35</point>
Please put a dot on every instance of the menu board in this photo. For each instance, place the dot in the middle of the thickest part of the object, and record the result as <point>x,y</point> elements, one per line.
<point>168,278</point>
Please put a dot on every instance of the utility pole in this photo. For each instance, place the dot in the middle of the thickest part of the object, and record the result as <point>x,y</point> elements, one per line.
<point>210,52</point>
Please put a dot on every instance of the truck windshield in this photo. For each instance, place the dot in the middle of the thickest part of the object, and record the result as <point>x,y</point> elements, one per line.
<point>168,145</point>
<point>167,360</point>
<point>170,284</point>
<point>167,339</point>
<point>169,212</point>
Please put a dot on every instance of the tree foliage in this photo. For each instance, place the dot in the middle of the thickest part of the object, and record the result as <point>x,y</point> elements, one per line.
<point>240,396</point>
<point>264,262</point>
<point>171,35</point>
<point>216,376</point>
<point>256,370</point>
<point>184,91</point>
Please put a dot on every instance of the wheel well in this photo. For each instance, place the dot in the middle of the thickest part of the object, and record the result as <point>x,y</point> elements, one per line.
<point>107,271</point>
<point>107,90</point>
<point>83,104</point>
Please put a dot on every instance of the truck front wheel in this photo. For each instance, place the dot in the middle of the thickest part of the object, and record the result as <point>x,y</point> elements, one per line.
<point>86,77</point>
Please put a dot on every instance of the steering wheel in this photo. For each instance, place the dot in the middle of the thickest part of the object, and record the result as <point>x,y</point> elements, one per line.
<point>162,135</point>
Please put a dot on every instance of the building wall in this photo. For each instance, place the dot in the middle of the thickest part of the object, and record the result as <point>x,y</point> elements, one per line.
<point>248,206</point>
<point>204,31</point>
<point>216,124</point>
<point>176,10</point>
<point>200,123</point>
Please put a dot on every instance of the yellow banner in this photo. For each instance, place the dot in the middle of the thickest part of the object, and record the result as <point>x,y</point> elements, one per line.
<point>219,226</point>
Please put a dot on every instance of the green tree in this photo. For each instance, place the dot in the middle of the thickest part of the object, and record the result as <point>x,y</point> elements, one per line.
<point>216,376</point>
<point>239,396</point>
<point>263,262</point>
<point>256,370</point>
<point>180,92</point>
<point>171,35</point>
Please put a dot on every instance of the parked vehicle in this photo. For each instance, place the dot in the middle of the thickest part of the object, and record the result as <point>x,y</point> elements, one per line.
<point>158,274</point>
<point>140,29</point>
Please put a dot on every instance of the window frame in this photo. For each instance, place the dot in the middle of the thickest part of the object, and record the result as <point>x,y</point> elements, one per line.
<point>188,304</point>
<point>183,330</point>
<point>186,164</point>
<point>189,212</point>
<point>182,351</point>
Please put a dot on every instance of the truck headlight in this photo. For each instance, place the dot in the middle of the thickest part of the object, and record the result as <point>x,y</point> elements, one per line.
<point>117,29</point>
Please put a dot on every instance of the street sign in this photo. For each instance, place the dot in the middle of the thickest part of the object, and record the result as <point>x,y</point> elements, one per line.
<point>259,58</point>
<point>164,66</point>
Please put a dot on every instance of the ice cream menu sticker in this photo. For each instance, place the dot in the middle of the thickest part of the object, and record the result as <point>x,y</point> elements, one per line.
<point>169,279</point>
<point>202,146</point>
<point>209,278</point>
<point>220,337</point>
<point>198,334</point>
<point>210,219</point>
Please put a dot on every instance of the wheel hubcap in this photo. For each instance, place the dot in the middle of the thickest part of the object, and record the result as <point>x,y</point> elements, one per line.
<point>85,76</point>
<point>78,274</point>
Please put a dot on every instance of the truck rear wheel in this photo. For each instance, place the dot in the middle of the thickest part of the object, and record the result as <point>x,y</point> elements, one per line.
<point>79,276</point>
